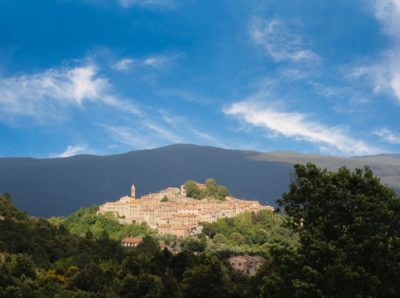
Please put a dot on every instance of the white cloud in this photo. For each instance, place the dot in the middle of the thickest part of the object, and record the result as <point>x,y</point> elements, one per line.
<point>388,12</point>
<point>280,42</point>
<point>385,74</point>
<point>388,136</point>
<point>124,64</point>
<point>151,62</point>
<point>48,93</point>
<point>160,61</point>
<point>72,150</point>
<point>299,127</point>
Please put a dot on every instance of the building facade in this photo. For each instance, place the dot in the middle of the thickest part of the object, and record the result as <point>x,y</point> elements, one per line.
<point>170,211</point>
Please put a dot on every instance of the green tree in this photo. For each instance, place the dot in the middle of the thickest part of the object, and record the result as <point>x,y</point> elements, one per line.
<point>215,191</point>
<point>21,264</point>
<point>193,191</point>
<point>348,225</point>
<point>206,280</point>
<point>149,246</point>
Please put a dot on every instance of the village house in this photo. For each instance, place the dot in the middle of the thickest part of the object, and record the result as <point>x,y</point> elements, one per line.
<point>131,242</point>
<point>179,215</point>
<point>246,264</point>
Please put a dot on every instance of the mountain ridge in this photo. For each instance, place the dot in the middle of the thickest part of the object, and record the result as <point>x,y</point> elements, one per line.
<point>59,186</point>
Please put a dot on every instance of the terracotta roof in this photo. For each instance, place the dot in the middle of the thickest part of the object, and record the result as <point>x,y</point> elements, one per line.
<point>132,240</point>
<point>165,226</point>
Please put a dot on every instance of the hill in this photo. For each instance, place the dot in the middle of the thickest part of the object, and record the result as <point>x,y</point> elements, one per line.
<point>59,186</point>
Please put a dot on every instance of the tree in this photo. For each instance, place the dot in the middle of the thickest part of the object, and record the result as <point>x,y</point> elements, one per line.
<point>149,246</point>
<point>193,191</point>
<point>21,264</point>
<point>349,229</point>
<point>216,191</point>
<point>211,280</point>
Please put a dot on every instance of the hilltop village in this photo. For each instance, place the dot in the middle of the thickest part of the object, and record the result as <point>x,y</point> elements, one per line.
<point>174,211</point>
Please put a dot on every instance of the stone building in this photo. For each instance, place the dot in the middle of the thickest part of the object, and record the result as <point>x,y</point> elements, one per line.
<point>131,242</point>
<point>178,215</point>
<point>247,264</point>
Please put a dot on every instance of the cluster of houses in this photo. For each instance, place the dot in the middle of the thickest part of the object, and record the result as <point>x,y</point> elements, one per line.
<point>170,211</point>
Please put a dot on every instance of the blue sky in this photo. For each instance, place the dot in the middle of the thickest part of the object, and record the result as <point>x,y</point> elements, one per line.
<point>105,77</point>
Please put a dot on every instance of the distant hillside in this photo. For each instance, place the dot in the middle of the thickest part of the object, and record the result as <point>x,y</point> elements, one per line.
<point>59,186</point>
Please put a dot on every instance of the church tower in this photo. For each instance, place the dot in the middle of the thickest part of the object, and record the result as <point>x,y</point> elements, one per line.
<point>133,191</point>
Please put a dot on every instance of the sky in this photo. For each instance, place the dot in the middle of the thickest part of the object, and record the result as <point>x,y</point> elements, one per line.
<point>111,76</point>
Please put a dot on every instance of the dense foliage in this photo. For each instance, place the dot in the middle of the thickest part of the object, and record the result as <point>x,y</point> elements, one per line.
<point>349,232</point>
<point>87,221</point>
<point>249,232</point>
<point>211,190</point>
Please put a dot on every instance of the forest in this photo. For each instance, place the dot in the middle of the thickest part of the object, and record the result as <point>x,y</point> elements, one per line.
<point>335,234</point>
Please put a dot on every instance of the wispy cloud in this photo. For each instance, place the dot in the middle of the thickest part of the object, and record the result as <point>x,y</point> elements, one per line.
<point>130,137</point>
<point>50,92</point>
<point>388,135</point>
<point>158,62</point>
<point>384,74</point>
<point>29,94</point>
<point>124,64</point>
<point>184,125</point>
<point>161,61</point>
<point>280,42</point>
<point>388,12</point>
<point>162,131</point>
<point>298,126</point>
<point>142,134</point>
<point>72,150</point>
<point>49,95</point>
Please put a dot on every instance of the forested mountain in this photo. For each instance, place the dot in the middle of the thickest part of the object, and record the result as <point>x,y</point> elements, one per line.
<point>59,186</point>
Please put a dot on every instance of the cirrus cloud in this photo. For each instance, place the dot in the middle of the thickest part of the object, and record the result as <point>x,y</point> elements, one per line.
<point>298,126</point>
<point>281,43</point>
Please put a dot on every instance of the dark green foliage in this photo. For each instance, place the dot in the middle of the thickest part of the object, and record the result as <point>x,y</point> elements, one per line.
<point>210,190</point>
<point>193,191</point>
<point>164,199</point>
<point>195,245</point>
<point>348,225</point>
<point>149,246</point>
<point>213,190</point>
<point>206,280</point>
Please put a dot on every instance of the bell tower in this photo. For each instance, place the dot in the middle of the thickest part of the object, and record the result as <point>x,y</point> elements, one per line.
<point>133,191</point>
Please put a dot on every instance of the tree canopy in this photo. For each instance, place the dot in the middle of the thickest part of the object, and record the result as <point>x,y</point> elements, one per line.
<point>349,237</point>
<point>86,221</point>
<point>210,190</point>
